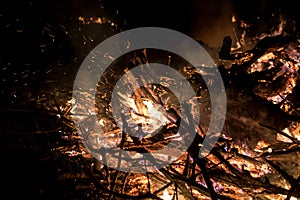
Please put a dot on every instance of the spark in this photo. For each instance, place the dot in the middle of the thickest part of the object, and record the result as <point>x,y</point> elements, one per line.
<point>233,19</point>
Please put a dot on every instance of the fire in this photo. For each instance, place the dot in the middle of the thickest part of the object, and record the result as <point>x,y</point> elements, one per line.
<point>166,195</point>
<point>282,64</point>
<point>151,116</point>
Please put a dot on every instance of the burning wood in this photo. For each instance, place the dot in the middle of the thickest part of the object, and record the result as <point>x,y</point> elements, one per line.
<point>257,156</point>
<point>245,163</point>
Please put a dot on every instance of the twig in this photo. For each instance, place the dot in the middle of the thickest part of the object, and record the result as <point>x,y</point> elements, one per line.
<point>283,173</point>
<point>163,188</point>
<point>280,132</point>
<point>175,196</point>
<point>293,188</point>
<point>148,181</point>
<point>201,164</point>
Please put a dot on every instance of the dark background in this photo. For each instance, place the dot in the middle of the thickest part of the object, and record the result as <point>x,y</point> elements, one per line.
<point>208,21</point>
<point>28,52</point>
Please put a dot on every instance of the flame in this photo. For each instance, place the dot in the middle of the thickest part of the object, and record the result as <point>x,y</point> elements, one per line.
<point>151,116</point>
<point>166,195</point>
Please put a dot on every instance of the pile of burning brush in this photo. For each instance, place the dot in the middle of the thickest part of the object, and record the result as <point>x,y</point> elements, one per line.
<point>257,156</point>
<point>258,153</point>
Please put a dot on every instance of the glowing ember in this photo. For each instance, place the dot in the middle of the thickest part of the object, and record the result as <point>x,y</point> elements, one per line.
<point>96,20</point>
<point>293,131</point>
<point>282,66</point>
<point>261,145</point>
<point>261,62</point>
